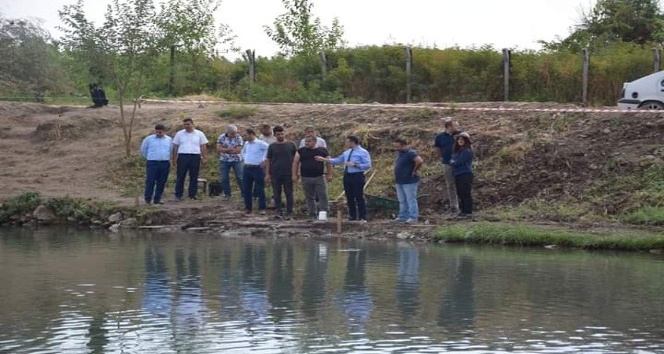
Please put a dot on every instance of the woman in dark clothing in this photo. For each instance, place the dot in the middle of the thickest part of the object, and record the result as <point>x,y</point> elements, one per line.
<point>462,160</point>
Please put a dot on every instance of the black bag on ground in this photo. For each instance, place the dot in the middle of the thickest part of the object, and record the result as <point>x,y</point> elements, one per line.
<point>215,189</point>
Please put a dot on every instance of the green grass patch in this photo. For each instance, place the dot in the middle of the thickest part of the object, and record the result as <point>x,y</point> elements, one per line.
<point>65,208</point>
<point>238,111</point>
<point>522,235</point>
<point>20,205</point>
<point>648,215</point>
<point>420,113</point>
<point>544,210</point>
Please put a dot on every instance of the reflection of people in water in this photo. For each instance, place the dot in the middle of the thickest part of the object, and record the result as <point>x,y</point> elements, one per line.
<point>457,311</point>
<point>356,301</point>
<point>157,298</point>
<point>97,333</point>
<point>315,279</point>
<point>254,297</point>
<point>408,281</point>
<point>230,287</point>
<point>281,283</point>
<point>189,302</point>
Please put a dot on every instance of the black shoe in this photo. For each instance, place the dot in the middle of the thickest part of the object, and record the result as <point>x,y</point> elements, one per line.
<point>158,202</point>
<point>149,202</point>
<point>278,216</point>
<point>193,198</point>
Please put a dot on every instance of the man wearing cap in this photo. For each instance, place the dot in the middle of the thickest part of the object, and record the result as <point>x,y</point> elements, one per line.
<point>156,149</point>
<point>445,144</point>
<point>188,153</point>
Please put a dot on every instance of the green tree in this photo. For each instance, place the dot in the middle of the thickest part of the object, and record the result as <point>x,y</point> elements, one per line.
<point>298,32</point>
<point>611,21</point>
<point>30,60</point>
<point>189,27</point>
<point>121,50</point>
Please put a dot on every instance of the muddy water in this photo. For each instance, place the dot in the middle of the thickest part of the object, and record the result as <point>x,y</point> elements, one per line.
<point>82,292</point>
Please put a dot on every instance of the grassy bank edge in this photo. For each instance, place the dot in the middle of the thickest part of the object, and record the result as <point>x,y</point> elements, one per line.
<point>532,235</point>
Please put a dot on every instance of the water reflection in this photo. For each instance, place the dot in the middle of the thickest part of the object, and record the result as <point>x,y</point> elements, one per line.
<point>457,310</point>
<point>408,281</point>
<point>356,301</point>
<point>189,305</point>
<point>281,292</point>
<point>176,293</point>
<point>157,296</point>
<point>315,280</point>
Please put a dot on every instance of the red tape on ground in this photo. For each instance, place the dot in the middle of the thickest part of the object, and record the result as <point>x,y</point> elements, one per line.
<point>440,107</point>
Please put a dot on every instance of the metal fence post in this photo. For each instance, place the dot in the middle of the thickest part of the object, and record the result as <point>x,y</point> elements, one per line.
<point>409,70</point>
<point>586,64</point>
<point>656,59</point>
<point>506,73</point>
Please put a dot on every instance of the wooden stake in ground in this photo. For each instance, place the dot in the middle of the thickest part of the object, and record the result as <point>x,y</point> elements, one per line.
<point>338,220</point>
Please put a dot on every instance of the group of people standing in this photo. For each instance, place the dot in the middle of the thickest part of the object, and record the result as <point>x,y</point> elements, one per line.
<point>271,158</point>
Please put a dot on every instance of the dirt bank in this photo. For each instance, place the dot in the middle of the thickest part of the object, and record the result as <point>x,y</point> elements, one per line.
<point>588,169</point>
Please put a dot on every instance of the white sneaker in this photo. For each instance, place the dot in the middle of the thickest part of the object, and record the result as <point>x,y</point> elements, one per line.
<point>411,221</point>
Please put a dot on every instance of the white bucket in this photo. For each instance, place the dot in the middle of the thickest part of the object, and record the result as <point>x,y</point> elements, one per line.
<point>322,215</point>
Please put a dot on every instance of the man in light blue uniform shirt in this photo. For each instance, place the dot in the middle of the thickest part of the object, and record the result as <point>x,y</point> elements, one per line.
<point>253,153</point>
<point>156,149</point>
<point>356,161</point>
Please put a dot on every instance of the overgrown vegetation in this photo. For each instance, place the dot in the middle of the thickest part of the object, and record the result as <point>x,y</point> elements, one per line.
<point>522,235</point>
<point>68,209</point>
<point>238,112</point>
<point>178,43</point>
<point>20,205</point>
<point>648,215</point>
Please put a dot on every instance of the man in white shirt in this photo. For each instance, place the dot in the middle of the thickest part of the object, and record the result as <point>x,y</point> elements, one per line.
<point>267,135</point>
<point>253,154</point>
<point>188,153</point>
<point>310,131</point>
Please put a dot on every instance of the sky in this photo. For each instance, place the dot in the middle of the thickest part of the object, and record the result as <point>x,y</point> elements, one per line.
<point>514,24</point>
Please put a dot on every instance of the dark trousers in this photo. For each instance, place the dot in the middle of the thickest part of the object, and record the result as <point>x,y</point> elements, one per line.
<point>354,189</point>
<point>464,185</point>
<point>284,183</point>
<point>187,163</point>
<point>253,176</point>
<point>156,174</point>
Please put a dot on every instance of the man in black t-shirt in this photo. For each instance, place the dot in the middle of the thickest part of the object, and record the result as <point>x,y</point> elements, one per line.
<point>278,168</point>
<point>313,174</point>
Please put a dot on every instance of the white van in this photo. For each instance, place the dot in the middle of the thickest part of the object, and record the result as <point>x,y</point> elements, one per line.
<point>645,93</point>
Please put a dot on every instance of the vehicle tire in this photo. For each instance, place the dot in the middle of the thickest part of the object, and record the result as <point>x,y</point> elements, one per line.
<point>652,105</point>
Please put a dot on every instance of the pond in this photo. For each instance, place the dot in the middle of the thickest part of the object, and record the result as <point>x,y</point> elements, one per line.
<point>94,292</point>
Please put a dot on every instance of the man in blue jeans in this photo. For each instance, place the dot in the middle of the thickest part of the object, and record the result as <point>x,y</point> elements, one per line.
<point>156,149</point>
<point>253,153</point>
<point>229,146</point>
<point>407,178</point>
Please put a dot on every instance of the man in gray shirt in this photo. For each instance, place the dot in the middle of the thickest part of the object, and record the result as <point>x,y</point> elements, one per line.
<point>278,168</point>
